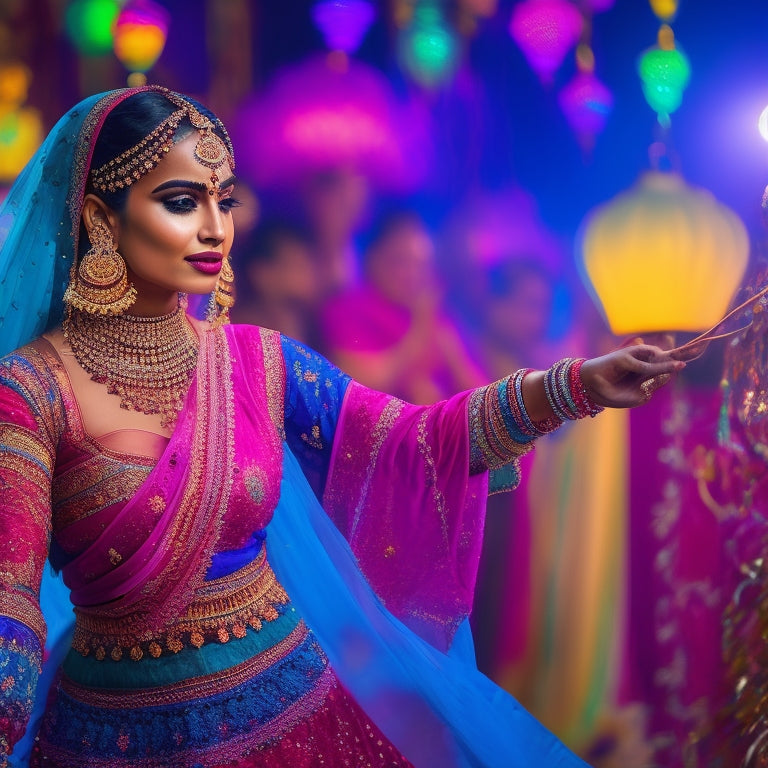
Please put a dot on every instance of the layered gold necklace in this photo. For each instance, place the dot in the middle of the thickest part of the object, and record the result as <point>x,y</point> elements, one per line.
<point>147,362</point>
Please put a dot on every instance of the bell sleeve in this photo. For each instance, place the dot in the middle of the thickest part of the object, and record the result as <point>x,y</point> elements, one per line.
<point>26,461</point>
<point>406,485</point>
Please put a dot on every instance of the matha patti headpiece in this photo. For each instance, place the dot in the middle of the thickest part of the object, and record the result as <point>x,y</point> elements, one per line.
<point>129,166</point>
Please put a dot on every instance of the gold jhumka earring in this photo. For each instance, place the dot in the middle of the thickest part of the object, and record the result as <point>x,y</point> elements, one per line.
<point>99,285</point>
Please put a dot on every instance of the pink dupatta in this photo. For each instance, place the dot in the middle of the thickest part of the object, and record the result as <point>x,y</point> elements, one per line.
<point>401,493</point>
<point>180,506</point>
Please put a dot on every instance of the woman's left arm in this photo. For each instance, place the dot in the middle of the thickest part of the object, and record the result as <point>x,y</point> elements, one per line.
<point>506,418</point>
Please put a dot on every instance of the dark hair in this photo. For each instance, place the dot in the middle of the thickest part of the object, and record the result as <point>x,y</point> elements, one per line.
<point>263,243</point>
<point>386,223</point>
<point>504,277</point>
<point>128,124</point>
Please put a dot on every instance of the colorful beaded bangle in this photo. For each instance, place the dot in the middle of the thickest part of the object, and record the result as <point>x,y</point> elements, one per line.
<point>565,391</point>
<point>496,438</point>
<point>520,414</point>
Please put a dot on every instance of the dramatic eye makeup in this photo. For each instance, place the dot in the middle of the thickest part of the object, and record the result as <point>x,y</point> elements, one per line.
<point>184,195</point>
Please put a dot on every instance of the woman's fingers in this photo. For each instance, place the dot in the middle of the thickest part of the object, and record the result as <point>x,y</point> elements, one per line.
<point>652,361</point>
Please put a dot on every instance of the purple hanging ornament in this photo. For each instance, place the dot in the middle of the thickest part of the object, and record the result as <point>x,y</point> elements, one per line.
<point>343,23</point>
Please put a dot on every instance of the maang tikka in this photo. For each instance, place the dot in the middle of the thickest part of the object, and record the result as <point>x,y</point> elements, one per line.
<point>211,150</point>
<point>99,284</point>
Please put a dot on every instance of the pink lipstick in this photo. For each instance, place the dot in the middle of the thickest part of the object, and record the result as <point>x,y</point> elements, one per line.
<point>208,262</point>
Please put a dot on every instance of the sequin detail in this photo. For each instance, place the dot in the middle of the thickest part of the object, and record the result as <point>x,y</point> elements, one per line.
<point>221,610</point>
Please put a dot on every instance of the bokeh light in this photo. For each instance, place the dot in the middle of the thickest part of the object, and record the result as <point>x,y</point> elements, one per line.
<point>762,123</point>
<point>664,75</point>
<point>140,34</point>
<point>545,30</point>
<point>428,46</point>
<point>586,104</point>
<point>343,23</point>
<point>89,24</point>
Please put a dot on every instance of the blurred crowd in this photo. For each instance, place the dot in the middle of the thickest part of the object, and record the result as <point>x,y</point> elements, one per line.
<point>424,308</point>
<point>606,575</point>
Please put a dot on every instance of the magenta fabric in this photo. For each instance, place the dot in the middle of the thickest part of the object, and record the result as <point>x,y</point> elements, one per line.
<point>364,321</point>
<point>679,580</point>
<point>187,508</point>
<point>409,508</point>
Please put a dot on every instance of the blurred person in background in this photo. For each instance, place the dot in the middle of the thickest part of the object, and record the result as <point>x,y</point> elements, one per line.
<point>392,331</point>
<point>335,201</point>
<point>516,313</point>
<point>549,619</point>
<point>277,285</point>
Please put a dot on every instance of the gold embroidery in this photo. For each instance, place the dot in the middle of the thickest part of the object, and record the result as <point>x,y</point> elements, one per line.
<point>275,383</point>
<point>93,485</point>
<point>384,423</point>
<point>254,479</point>
<point>21,608</point>
<point>431,472</point>
<point>26,445</point>
<point>114,556</point>
<point>222,608</point>
<point>315,440</point>
<point>194,687</point>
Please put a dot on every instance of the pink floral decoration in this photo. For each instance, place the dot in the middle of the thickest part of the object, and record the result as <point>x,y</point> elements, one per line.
<point>545,30</point>
<point>317,116</point>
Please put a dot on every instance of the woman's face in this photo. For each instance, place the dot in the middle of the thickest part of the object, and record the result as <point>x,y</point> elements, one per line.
<point>401,266</point>
<point>173,234</point>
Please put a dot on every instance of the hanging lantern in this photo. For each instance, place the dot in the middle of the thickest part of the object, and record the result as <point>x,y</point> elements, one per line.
<point>545,30</point>
<point>585,101</point>
<point>343,23</point>
<point>313,117</point>
<point>89,24</point>
<point>586,104</point>
<point>664,9</point>
<point>140,33</point>
<point>428,48</point>
<point>663,256</point>
<point>665,73</point>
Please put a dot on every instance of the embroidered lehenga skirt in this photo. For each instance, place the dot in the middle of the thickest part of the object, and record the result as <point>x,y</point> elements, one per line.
<point>238,681</point>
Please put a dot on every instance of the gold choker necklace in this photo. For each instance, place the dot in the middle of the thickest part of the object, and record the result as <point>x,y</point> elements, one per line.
<point>147,361</point>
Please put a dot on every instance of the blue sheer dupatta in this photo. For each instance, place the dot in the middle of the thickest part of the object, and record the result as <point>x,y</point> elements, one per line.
<point>437,708</point>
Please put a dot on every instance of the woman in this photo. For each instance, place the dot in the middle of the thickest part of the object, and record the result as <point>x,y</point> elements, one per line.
<point>151,457</point>
<point>402,340</point>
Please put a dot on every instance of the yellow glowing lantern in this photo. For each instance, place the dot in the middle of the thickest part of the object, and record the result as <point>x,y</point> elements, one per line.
<point>141,30</point>
<point>664,256</point>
